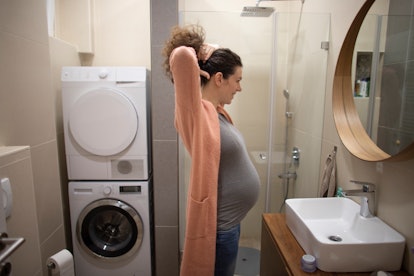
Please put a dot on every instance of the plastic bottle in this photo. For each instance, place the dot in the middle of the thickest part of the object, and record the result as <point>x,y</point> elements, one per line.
<point>339,192</point>
<point>308,263</point>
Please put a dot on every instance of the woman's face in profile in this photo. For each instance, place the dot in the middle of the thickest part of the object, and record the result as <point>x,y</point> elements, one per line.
<point>231,86</point>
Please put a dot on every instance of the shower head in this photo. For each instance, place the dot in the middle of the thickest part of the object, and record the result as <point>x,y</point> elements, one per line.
<point>257,11</point>
<point>286,93</point>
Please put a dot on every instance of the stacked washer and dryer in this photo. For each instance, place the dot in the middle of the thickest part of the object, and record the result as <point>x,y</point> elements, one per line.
<point>107,141</point>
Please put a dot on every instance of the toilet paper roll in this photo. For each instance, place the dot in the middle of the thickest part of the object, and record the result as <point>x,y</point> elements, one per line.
<point>61,264</point>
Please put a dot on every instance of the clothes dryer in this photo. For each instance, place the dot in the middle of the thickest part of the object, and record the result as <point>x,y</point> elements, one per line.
<point>111,229</point>
<point>106,120</point>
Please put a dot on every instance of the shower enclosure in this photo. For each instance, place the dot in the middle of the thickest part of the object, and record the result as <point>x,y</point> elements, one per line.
<point>279,52</point>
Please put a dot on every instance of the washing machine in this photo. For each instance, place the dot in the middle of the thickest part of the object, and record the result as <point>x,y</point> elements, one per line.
<point>106,119</point>
<point>111,227</point>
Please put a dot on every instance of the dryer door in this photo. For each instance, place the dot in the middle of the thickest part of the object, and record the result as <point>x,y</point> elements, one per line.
<point>103,121</point>
<point>110,229</point>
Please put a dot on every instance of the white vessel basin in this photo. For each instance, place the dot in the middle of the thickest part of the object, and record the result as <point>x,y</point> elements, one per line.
<point>332,230</point>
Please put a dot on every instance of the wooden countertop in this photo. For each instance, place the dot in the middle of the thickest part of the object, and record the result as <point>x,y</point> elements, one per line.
<point>292,252</point>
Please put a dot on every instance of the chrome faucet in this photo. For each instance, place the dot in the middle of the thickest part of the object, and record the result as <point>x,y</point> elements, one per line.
<point>367,194</point>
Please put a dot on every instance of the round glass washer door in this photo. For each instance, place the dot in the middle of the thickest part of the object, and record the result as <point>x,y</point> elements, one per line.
<point>103,121</point>
<point>110,229</point>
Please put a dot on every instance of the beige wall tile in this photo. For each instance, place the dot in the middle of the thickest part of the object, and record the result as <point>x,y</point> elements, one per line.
<point>54,243</point>
<point>23,220</point>
<point>27,117</point>
<point>24,19</point>
<point>27,105</point>
<point>47,188</point>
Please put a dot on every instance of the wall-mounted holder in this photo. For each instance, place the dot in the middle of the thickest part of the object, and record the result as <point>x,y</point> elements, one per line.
<point>8,245</point>
<point>7,196</point>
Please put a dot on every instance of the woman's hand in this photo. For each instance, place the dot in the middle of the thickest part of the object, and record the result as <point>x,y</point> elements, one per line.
<point>206,50</point>
<point>204,74</point>
<point>204,53</point>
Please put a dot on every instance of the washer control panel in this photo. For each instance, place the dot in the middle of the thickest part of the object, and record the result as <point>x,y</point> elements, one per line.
<point>118,190</point>
<point>130,189</point>
<point>107,190</point>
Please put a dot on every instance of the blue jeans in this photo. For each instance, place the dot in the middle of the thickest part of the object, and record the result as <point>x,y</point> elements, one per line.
<point>227,246</point>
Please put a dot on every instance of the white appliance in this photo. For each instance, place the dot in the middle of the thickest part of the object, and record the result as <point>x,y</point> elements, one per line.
<point>106,122</point>
<point>111,227</point>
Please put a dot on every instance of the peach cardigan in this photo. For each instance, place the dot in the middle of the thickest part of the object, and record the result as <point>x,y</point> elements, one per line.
<point>197,123</point>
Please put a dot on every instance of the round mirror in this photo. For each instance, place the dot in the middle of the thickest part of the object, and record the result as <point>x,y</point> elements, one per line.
<point>373,91</point>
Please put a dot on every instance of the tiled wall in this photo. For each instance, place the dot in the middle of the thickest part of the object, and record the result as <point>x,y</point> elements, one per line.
<point>62,54</point>
<point>27,117</point>
<point>16,165</point>
<point>164,15</point>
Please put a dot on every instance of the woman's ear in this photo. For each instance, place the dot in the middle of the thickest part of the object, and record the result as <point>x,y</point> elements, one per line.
<point>218,78</point>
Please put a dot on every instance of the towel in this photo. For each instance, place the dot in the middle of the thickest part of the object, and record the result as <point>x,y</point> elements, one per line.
<point>328,185</point>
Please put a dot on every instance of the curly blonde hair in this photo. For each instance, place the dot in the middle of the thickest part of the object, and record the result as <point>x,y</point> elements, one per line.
<point>190,36</point>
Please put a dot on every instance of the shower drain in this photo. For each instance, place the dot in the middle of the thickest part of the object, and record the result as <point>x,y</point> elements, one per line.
<point>335,238</point>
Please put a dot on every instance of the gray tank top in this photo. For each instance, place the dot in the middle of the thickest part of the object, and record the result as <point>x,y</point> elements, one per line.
<point>238,180</point>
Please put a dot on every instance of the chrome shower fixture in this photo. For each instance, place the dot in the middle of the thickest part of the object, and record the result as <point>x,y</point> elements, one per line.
<point>258,1</point>
<point>295,156</point>
<point>286,93</point>
<point>257,11</point>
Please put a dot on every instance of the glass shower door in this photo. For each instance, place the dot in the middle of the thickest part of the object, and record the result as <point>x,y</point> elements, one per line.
<point>252,38</point>
<point>285,51</point>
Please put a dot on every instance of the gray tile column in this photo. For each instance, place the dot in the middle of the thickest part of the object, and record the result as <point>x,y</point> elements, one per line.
<point>164,15</point>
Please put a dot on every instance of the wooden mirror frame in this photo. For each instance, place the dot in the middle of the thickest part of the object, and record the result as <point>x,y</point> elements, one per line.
<point>348,124</point>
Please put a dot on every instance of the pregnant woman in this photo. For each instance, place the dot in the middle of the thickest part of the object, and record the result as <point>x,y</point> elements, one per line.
<point>224,184</point>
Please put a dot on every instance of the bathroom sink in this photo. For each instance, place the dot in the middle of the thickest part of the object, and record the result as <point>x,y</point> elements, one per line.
<point>332,230</point>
